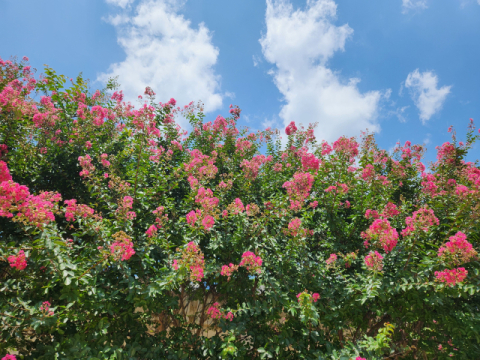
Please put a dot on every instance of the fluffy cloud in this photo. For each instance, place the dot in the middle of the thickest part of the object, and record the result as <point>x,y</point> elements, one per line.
<point>164,52</point>
<point>408,5</point>
<point>427,98</point>
<point>121,3</point>
<point>300,43</point>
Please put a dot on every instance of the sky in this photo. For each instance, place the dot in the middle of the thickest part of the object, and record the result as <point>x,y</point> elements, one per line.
<point>404,69</point>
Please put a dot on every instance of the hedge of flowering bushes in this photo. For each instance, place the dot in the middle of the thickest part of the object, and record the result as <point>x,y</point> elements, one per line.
<point>123,236</point>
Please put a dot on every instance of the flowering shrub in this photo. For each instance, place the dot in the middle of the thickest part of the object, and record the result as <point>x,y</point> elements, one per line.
<point>117,225</point>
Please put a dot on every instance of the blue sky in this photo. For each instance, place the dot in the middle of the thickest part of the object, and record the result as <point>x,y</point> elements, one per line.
<point>406,69</point>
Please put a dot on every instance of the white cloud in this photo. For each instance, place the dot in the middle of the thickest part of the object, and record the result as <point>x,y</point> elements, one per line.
<point>164,52</point>
<point>121,3</point>
<point>300,43</point>
<point>426,96</point>
<point>408,5</point>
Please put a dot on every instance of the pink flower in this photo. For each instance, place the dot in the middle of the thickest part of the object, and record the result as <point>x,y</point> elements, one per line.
<point>214,311</point>
<point>451,277</point>
<point>331,259</point>
<point>208,222</point>
<point>314,204</point>
<point>252,262</point>
<point>291,128</point>
<point>458,250</point>
<point>192,218</point>
<point>315,297</point>
<point>88,144</point>
<point>19,262</point>
<point>420,220</point>
<point>360,358</point>
<point>175,264</point>
<point>373,261</point>
<point>152,231</point>
<point>122,247</point>
<point>228,316</point>
<point>294,225</point>
<point>9,357</point>
<point>382,233</point>
<point>228,270</point>
<point>4,172</point>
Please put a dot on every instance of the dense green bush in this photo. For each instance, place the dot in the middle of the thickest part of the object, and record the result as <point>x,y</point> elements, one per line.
<point>124,237</point>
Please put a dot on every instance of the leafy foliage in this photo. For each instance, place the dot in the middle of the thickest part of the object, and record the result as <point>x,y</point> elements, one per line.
<point>220,243</point>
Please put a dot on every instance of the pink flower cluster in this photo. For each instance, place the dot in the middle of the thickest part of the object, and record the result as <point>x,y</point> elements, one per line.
<point>458,250</point>
<point>192,259</point>
<point>86,164</point>
<point>252,167</point>
<point>228,270</point>
<point>291,129</point>
<point>18,261</point>
<point>201,166</point>
<point>39,210</point>
<point>446,153</point>
<point>73,210</point>
<point>160,221</point>
<point>104,161</point>
<point>251,262</point>
<point>309,161</point>
<point>9,357</point>
<point>390,211</point>
<point>299,189</point>
<point>346,146</point>
<point>331,260</point>
<point>421,220</point>
<point>382,233</point>
<point>451,277</point>
<point>122,247</point>
<point>215,313</point>
<point>4,172</point>
<point>45,308</point>
<point>374,261</point>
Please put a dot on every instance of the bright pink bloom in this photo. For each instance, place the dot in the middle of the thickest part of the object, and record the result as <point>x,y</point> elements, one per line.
<point>252,262</point>
<point>122,248</point>
<point>208,222</point>
<point>420,220</point>
<point>152,231</point>
<point>291,128</point>
<point>451,277</point>
<point>294,226</point>
<point>192,217</point>
<point>347,147</point>
<point>18,261</point>
<point>4,172</point>
<point>9,357</point>
<point>214,311</point>
<point>314,204</point>
<point>458,250</point>
<point>382,233</point>
<point>315,297</point>
<point>368,173</point>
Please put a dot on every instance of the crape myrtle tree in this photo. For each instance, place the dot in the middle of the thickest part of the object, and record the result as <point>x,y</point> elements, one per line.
<point>122,236</point>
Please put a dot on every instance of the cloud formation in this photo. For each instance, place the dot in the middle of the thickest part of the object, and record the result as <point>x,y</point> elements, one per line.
<point>300,43</point>
<point>122,3</point>
<point>164,52</point>
<point>408,5</point>
<point>425,94</point>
